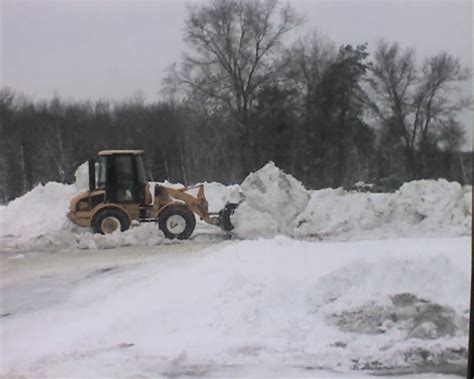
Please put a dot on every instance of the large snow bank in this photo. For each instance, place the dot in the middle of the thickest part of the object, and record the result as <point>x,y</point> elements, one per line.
<point>390,304</point>
<point>43,210</point>
<point>425,207</point>
<point>275,203</point>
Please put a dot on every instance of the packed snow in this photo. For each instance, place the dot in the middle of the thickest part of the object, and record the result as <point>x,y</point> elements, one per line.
<point>393,306</point>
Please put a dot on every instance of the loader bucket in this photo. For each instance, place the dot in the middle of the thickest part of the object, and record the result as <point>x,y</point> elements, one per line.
<point>225,216</point>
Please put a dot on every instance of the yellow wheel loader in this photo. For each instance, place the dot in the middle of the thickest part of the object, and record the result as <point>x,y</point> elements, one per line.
<point>120,194</point>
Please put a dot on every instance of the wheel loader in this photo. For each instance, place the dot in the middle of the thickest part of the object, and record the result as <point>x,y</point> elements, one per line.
<point>119,194</point>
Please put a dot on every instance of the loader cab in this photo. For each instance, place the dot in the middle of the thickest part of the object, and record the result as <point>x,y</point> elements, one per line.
<point>121,174</point>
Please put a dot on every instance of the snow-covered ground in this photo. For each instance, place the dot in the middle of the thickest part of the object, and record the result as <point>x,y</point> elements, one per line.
<point>383,306</point>
<point>345,284</point>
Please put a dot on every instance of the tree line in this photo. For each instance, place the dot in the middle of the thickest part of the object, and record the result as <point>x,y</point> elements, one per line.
<point>243,95</point>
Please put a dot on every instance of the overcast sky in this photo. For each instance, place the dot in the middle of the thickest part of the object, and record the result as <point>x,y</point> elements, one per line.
<point>94,49</point>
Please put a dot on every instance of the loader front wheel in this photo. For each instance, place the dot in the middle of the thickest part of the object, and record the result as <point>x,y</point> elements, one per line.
<point>177,221</point>
<point>108,221</point>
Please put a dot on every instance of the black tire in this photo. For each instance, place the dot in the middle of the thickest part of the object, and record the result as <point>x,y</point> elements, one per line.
<point>180,213</point>
<point>225,214</point>
<point>101,217</point>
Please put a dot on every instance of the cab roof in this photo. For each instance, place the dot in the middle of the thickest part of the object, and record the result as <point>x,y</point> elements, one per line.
<point>120,152</point>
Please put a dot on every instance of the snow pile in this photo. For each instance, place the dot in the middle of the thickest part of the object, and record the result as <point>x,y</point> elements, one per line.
<point>432,277</point>
<point>276,203</point>
<point>74,237</point>
<point>425,207</point>
<point>273,203</point>
<point>434,205</point>
<point>40,211</point>
<point>367,305</point>
<point>273,199</point>
<point>411,309</point>
<point>401,298</point>
<point>143,235</point>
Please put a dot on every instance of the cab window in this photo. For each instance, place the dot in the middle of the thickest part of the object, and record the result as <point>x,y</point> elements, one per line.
<point>125,178</point>
<point>141,177</point>
<point>102,177</point>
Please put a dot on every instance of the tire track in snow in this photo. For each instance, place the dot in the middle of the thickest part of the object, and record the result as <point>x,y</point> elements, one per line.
<point>16,266</point>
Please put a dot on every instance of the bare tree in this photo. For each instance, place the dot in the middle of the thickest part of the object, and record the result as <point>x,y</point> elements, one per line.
<point>416,102</point>
<point>235,43</point>
<point>236,46</point>
<point>307,60</point>
<point>7,111</point>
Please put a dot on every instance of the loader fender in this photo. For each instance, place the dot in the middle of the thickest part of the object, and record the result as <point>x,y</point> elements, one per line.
<point>170,204</point>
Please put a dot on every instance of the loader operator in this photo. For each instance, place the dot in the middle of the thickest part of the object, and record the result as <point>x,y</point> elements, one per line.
<point>127,187</point>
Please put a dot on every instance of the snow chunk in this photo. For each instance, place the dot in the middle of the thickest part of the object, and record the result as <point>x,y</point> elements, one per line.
<point>250,223</point>
<point>142,235</point>
<point>218,195</point>
<point>273,200</point>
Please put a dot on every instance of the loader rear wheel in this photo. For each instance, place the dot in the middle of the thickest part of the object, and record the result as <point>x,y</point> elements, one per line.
<point>109,221</point>
<point>177,221</point>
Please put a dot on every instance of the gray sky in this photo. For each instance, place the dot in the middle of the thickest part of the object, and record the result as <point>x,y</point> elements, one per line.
<point>112,49</point>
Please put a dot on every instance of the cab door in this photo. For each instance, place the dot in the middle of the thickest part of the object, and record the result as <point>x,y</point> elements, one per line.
<point>123,184</point>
